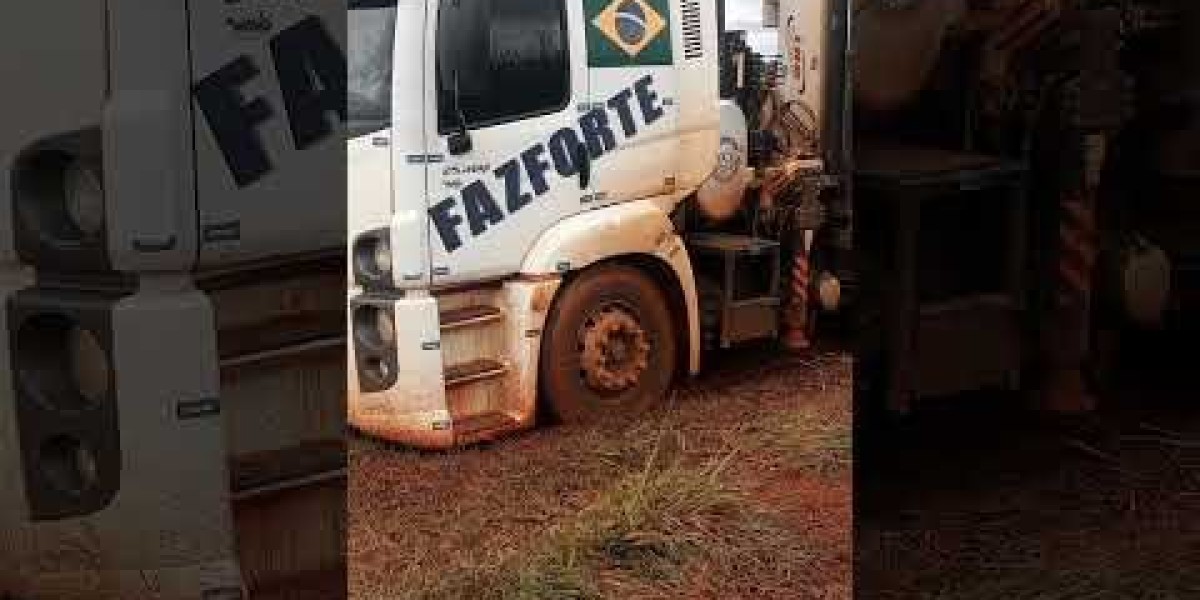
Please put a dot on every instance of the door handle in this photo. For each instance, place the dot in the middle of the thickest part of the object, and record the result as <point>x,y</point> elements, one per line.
<point>585,166</point>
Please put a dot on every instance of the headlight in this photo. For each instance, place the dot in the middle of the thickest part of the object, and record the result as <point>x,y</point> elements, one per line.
<point>68,464</point>
<point>62,364</point>
<point>65,401</point>
<point>374,332</point>
<point>83,192</point>
<point>374,327</point>
<point>383,256</point>
<point>379,371</point>
<point>88,364</point>
<point>386,326</point>
<point>373,259</point>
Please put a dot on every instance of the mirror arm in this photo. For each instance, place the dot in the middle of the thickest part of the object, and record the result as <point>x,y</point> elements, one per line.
<point>460,140</point>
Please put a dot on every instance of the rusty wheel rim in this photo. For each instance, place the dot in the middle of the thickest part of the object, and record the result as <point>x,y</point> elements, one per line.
<point>614,349</point>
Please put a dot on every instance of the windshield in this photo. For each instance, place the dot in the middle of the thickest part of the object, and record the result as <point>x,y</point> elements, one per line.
<point>371,28</point>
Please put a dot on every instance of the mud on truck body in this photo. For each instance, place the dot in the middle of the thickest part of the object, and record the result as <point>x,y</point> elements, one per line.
<point>546,208</point>
<point>173,291</point>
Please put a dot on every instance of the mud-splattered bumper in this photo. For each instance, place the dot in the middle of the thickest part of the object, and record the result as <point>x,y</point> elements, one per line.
<point>457,369</point>
<point>405,401</point>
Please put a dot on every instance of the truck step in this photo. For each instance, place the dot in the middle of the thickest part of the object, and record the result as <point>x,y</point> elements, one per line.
<point>309,350</point>
<point>471,372</point>
<point>302,465</point>
<point>482,427</point>
<point>469,316</point>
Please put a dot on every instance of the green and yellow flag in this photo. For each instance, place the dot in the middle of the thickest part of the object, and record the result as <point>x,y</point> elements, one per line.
<point>628,33</point>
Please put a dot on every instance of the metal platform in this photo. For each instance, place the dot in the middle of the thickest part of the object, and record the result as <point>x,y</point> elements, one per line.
<point>744,315</point>
<point>968,340</point>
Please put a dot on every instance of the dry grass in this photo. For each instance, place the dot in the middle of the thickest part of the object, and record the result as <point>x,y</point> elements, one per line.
<point>717,495</point>
<point>810,438</point>
<point>1129,579</point>
<point>648,525</point>
<point>643,537</point>
<point>989,503</point>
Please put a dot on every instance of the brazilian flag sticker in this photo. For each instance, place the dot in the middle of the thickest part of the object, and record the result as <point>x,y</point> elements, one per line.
<point>628,33</point>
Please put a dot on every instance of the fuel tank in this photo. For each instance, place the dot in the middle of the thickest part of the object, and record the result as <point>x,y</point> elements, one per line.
<point>721,195</point>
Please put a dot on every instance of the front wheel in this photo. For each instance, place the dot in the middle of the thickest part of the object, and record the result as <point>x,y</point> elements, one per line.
<point>609,346</point>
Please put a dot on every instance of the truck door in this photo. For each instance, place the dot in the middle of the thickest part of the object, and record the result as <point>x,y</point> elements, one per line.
<point>270,94</point>
<point>633,49</point>
<point>505,155</point>
<point>385,97</point>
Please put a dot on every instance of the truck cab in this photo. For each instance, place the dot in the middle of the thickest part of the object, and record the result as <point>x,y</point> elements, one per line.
<point>500,152</point>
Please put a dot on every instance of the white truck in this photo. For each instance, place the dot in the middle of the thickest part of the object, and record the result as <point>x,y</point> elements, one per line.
<point>546,205</point>
<point>556,206</point>
<point>172,398</point>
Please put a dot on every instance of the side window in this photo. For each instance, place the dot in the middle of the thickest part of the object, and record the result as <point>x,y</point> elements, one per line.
<point>501,61</point>
<point>371,27</point>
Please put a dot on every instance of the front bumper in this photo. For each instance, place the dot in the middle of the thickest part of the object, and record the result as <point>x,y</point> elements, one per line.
<point>434,396</point>
<point>413,410</point>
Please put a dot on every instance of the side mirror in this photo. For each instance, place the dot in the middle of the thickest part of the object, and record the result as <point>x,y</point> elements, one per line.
<point>459,142</point>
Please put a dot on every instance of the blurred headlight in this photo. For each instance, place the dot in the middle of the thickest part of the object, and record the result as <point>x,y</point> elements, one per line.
<point>62,364</point>
<point>374,328</point>
<point>68,464</point>
<point>83,191</point>
<point>88,364</point>
<point>373,259</point>
<point>378,370</point>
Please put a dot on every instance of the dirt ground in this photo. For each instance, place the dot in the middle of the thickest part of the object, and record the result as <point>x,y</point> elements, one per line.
<point>979,498</point>
<point>738,487</point>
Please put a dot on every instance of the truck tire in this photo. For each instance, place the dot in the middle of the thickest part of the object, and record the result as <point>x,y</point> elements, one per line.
<point>609,347</point>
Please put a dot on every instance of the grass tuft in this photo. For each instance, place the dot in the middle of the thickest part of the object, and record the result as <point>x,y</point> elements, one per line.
<point>810,439</point>
<point>647,526</point>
